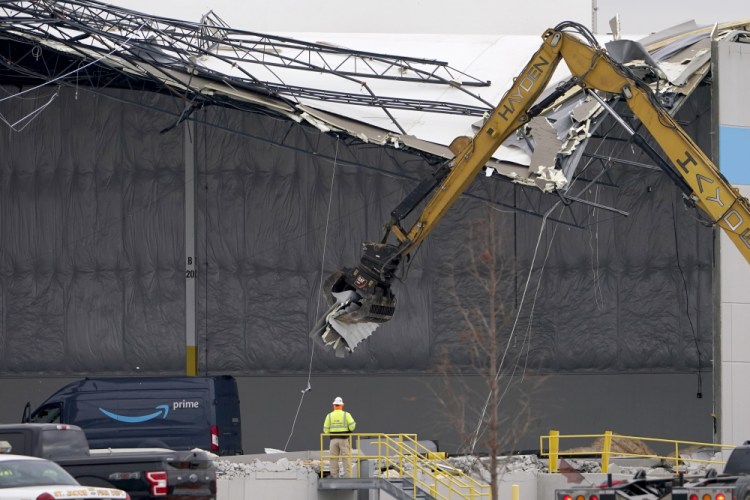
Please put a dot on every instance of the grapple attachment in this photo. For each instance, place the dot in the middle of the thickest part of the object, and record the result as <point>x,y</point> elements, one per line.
<point>359,299</point>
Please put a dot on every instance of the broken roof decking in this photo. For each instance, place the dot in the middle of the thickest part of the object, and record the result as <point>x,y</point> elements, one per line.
<point>635,322</point>
<point>348,83</point>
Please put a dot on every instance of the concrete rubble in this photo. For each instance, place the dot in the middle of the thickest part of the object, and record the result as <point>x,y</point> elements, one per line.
<point>477,467</point>
<point>235,470</point>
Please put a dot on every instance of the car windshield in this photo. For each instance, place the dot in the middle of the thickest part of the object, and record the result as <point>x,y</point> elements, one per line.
<point>15,473</point>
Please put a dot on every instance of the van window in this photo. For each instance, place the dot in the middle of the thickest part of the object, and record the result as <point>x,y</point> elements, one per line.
<point>49,414</point>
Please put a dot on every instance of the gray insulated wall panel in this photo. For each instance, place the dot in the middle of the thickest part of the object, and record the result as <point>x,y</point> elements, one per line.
<point>91,228</point>
<point>92,237</point>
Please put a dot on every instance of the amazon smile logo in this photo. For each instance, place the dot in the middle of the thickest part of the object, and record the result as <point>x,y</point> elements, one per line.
<point>162,411</point>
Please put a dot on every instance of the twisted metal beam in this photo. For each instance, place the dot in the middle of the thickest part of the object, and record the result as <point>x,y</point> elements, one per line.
<point>151,45</point>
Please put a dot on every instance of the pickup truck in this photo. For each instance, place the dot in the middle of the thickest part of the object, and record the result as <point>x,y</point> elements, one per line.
<point>144,473</point>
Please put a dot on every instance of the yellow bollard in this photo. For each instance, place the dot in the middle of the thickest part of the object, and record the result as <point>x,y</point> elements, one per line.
<point>606,451</point>
<point>515,492</point>
<point>554,449</point>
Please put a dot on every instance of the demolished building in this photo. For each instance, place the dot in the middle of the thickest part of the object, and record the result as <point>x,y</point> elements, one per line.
<point>175,189</point>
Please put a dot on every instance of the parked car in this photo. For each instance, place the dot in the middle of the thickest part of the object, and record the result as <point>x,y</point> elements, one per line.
<point>31,478</point>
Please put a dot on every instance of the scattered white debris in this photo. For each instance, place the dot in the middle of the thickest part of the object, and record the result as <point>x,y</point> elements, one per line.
<point>390,474</point>
<point>479,467</point>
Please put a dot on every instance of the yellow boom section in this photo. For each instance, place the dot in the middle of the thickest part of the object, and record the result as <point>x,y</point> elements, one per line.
<point>593,69</point>
<point>720,200</point>
<point>507,116</point>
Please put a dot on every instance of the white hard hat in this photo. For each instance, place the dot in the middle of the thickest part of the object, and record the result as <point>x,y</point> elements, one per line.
<point>338,401</point>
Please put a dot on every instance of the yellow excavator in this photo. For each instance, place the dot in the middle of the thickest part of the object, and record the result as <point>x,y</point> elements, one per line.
<point>360,298</point>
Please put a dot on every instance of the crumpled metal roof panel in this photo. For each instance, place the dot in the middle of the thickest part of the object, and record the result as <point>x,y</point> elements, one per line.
<point>435,88</point>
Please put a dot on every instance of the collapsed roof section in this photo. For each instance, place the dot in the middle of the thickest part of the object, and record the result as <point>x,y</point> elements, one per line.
<point>674,61</point>
<point>401,101</point>
<point>208,62</point>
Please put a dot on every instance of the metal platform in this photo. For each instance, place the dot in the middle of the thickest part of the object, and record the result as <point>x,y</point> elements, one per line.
<point>401,490</point>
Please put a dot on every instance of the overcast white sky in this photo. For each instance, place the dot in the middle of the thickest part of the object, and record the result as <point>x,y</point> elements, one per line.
<point>495,17</point>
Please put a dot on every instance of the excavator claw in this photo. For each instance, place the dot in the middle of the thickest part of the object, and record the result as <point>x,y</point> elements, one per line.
<point>359,299</point>
<point>376,303</point>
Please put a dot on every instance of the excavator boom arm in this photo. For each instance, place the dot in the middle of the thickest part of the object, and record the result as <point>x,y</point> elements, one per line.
<point>707,186</point>
<point>510,114</point>
<point>711,192</point>
<point>361,295</point>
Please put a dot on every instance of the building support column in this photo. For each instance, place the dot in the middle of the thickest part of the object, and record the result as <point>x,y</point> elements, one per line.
<point>191,350</point>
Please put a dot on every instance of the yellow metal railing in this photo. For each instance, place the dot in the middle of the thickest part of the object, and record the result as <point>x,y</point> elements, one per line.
<point>401,456</point>
<point>554,440</point>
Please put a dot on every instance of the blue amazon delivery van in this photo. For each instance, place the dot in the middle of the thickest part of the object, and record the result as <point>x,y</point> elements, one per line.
<point>180,413</point>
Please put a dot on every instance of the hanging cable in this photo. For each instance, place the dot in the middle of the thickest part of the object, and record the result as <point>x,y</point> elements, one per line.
<point>687,301</point>
<point>527,340</point>
<point>308,388</point>
<point>30,116</point>
<point>75,71</point>
<point>598,295</point>
<point>480,421</point>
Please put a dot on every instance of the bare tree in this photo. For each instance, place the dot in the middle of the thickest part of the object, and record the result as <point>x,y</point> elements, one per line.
<point>492,345</point>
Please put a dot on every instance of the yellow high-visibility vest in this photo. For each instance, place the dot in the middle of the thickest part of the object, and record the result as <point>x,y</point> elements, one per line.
<point>338,422</point>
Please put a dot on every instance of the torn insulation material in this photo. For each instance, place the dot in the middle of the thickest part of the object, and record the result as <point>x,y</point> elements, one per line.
<point>336,333</point>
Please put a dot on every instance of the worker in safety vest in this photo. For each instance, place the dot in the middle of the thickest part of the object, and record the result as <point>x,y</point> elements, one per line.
<point>338,424</point>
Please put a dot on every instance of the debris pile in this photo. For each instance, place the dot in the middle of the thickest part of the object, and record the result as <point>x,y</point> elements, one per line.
<point>237,470</point>
<point>518,463</point>
<point>478,467</point>
<point>618,445</point>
